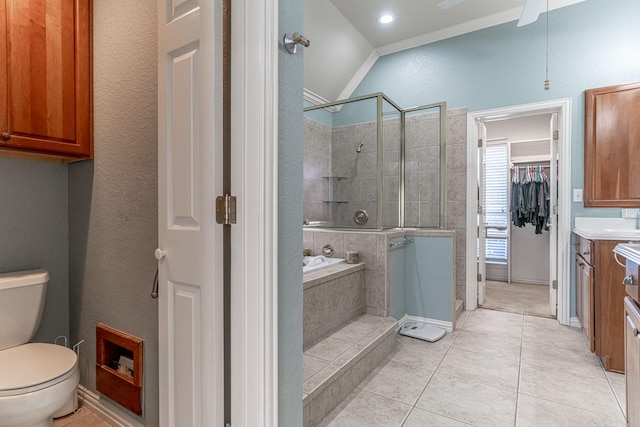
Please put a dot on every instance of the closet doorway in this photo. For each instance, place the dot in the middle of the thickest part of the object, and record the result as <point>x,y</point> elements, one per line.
<point>519,217</point>
<point>518,198</point>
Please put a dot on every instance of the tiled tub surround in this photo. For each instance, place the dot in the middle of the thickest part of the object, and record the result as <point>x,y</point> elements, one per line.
<point>332,297</point>
<point>373,247</point>
<point>331,152</point>
<point>341,345</point>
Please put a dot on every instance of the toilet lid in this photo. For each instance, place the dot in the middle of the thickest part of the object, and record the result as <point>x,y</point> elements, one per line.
<point>34,363</point>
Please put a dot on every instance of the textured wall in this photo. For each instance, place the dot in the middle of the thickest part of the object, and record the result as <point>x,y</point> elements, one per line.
<point>33,232</point>
<point>290,154</point>
<point>113,200</point>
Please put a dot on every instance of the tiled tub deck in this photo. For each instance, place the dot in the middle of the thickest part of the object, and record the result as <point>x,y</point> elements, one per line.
<point>341,344</point>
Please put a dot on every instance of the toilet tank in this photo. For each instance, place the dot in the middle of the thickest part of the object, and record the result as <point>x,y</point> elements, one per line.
<point>22,296</point>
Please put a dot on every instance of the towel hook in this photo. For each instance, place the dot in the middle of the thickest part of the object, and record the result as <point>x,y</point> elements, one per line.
<point>291,41</point>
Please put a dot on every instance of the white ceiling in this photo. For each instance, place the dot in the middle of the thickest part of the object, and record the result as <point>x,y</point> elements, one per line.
<point>346,38</point>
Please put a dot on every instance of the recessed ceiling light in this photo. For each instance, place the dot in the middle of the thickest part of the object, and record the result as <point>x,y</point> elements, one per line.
<point>385,19</point>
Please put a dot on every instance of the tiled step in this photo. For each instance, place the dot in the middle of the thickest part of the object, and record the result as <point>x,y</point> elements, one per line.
<point>334,366</point>
<point>459,307</point>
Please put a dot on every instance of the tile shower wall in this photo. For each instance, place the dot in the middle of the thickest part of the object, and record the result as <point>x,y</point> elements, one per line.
<point>359,170</point>
<point>317,164</point>
<point>422,177</point>
<point>456,208</point>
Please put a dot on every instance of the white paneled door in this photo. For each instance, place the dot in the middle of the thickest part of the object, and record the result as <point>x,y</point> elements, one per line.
<point>190,242</point>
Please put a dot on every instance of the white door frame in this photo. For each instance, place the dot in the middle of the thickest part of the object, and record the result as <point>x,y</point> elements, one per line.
<point>563,108</point>
<point>254,239</point>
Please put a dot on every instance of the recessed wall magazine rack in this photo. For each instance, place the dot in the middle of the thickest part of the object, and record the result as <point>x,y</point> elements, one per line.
<point>119,367</point>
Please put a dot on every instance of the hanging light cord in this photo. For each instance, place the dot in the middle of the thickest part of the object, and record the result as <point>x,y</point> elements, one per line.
<point>546,81</point>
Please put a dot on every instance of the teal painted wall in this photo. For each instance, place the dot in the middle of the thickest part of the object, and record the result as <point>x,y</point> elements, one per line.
<point>290,153</point>
<point>397,280</point>
<point>428,275</point>
<point>591,44</point>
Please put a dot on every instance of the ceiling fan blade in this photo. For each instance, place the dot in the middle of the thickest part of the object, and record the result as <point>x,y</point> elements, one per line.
<point>530,12</point>
<point>446,4</point>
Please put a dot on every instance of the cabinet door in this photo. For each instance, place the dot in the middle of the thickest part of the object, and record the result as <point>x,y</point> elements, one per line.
<point>584,300</point>
<point>48,88</point>
<point>612,146</point>
<point>632,361</point>
<point>609,310</point>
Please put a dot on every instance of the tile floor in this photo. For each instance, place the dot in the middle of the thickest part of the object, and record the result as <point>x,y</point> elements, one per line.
<point>496,369</point>
<point>83,417</point>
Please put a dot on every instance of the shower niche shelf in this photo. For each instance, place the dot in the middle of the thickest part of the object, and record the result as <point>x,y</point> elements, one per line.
<point>334,201</point>
<point>337,178</point>
<point>119,367</point>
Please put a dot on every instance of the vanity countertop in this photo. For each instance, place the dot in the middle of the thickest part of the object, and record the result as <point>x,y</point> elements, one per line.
<point>630,251</point>
<point>607,228</point>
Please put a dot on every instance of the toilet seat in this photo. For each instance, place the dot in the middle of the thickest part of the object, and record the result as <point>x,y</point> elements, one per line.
<point>30,367</point>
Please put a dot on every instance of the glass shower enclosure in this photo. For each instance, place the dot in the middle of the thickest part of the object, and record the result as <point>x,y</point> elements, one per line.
<point>370,164</point>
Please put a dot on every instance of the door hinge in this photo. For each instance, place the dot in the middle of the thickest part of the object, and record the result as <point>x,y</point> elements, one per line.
<point>479,278</point>
<point>556,135</point>
<point>226,209</point>
<point>479,209</point>
<point>479,142</point>
<point>554,284</point>
<point>555,209</point>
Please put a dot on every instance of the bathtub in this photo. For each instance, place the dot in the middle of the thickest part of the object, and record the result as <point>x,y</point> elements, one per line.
<point>310,263</point>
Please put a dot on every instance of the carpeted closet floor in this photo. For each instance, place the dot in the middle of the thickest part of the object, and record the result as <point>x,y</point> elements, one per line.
<point>517,298</point>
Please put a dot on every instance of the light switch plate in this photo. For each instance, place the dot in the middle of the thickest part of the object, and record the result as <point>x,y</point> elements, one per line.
<point>577,194</point>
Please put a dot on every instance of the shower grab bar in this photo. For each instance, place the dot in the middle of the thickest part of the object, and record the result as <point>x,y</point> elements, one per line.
<point>401,243</point>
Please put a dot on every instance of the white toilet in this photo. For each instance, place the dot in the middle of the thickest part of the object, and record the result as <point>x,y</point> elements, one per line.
<point>37,381</point>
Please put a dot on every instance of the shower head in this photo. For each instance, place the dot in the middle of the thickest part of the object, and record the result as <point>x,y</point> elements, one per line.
<point>359,149</point>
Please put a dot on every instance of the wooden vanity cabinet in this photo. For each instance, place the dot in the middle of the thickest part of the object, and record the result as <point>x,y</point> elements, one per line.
<point>612,146</point>
<point>600,300</point>
<point>46,83</point>
<point>584,299</point>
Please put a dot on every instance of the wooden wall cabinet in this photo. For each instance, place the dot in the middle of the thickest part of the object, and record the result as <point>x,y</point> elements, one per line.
<point>600,300</point>
<point>612,146</point>
<point>46,78</point>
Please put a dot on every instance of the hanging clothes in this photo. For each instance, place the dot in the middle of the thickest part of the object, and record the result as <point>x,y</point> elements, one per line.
<point>530,198</point>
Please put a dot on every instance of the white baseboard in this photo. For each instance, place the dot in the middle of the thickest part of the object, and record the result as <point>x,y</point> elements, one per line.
<point>574,322</point>
<point>104,409</point>
<point>448,326</point>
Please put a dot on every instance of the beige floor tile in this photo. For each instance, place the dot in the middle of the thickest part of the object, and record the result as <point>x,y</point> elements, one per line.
<point>496,323</point>
<point>554,334</point>
<point>535,412</point>
<point>397,381</point>
<point>329,349</point>
<point>557,385</point>
<point>364,409</point>
<point>570,360</point>
<point>462,318</point>
<point>83,417</point>
<point>483,342</point>
<point>419,354</point>
<point>469,401</point>
<point>496,371</point>
<point>617,382</point>
<point>421,418</point>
